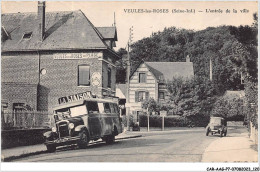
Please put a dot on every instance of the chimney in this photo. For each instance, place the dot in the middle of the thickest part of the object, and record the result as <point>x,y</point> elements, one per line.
<point>41,19</point>
<point>188,58</point>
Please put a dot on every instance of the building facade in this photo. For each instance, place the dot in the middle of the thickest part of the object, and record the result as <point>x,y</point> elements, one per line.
<point>55,57</point>
<point>149,81</point>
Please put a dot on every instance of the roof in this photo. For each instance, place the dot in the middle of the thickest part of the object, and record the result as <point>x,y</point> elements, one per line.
<point>80,102</point>
<point>173,69</point>
<point>155,72</point>
<point>64,30</point>
<point>108,32</point>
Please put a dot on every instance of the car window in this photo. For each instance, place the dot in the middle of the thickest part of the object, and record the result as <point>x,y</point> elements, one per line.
<point>107,108</point>
<point>116,108</point>
<point>215,120</point>
<point>92,107</point>
<point>62,113</point>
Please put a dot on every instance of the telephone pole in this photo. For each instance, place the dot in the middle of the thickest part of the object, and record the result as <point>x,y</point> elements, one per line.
<point>128,77</point>
<point>210,69</point>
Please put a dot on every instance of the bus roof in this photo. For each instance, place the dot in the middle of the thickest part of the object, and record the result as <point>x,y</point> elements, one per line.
<point>81,102</point>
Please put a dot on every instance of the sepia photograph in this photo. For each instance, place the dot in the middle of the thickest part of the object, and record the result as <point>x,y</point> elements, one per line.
<point>139,85</point>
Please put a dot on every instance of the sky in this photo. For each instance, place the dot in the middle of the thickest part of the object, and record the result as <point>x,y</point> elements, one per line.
<point>207,14</point>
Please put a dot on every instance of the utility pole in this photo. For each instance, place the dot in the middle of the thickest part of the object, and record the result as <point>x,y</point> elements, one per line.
<point>128,77</point>
<point>210,69</point>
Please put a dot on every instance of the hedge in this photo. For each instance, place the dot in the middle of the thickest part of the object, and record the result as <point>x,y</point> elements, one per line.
<point>156,121</point>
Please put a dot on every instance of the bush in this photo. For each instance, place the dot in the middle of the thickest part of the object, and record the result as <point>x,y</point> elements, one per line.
<point>156,121</point>
<point>131,120</point>
<point>199,120</point>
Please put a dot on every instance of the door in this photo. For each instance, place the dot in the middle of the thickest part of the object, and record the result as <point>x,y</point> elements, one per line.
<point>105,119</point>
<point>94,119</point>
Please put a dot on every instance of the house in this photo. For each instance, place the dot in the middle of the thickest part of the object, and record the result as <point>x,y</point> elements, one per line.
<point>149,78</point>
<point>49,58</point>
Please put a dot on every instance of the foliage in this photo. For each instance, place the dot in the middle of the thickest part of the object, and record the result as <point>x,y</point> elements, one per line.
<point>156,121</point>
<point>121,66</point>
<point>191,97</point>
<point>231,109</point>
<point>174,45</point>
<point>151,104</point>
<point>131,120</point>
<point>233,52</point>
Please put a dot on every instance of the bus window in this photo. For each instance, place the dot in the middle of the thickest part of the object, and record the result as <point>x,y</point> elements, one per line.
<point>78,110</point>
<point>116,108</point>
<point>92,107</point>
<point>107,108</point>
<point>112,108</point>
<point>101,107</point>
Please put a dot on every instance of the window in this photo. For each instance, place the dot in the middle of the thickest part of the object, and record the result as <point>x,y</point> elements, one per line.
<point>116,108</point>
<point>78,110</point>
<point>141,96</point>
<point>83,75</point>
<point>107,108</point>
<point>109,78</point>
<point>112,108</point>
<point>92,107</point>
<point>161,95</point>
<point>27,35</point>
<point>142,77</point>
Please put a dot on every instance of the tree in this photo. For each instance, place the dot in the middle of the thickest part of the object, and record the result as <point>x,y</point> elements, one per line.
<point>231,109</point>
<point>151,105</point>
<point>121,66</point>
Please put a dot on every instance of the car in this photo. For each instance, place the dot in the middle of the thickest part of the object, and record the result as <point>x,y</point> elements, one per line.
<point>81,121</point>
<point>217,125</point>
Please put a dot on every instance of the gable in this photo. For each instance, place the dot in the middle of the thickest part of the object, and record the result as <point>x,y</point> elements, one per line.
<point>108,32</point>
<point>142,68</point>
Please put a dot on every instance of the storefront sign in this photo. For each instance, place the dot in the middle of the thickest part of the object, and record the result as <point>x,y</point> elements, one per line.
<point>75,97</point>
<point>75,56</point>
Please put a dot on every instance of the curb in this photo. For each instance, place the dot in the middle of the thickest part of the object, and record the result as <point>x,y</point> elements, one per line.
<point>11,158</point>
<point>129,137</point>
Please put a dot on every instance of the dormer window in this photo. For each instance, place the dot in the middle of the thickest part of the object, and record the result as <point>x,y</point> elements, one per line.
<point>27,35</point>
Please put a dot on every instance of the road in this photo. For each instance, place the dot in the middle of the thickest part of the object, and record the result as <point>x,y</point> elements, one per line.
<point>186,145</point>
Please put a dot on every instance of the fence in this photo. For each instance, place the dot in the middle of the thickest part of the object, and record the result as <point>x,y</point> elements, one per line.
<point>27,119</point>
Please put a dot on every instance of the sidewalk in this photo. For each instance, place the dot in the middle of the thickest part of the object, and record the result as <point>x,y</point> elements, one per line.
<point>23,151</point>
<point>235,148</point>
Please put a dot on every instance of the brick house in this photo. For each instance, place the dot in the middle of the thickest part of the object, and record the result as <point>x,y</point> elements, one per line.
<point>48,56</point>
<point>149,78</point>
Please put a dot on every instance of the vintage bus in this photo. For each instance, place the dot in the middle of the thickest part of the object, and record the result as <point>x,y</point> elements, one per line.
<point>84,120</point>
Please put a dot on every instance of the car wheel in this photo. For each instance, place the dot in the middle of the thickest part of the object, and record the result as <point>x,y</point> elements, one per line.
<point>84,139</point>
<point>51,148</point>
<point>207,133</point>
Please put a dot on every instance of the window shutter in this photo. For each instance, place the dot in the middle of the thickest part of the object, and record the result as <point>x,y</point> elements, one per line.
<point>146,95</point>
<point>136,96</point>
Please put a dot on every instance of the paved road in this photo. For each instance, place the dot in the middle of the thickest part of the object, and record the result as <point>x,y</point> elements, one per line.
<point>169,146</point>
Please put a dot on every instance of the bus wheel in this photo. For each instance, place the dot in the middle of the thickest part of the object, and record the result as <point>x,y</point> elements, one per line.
<point>84,139</point>
<point>51,148</point>
<point>110,139</point>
